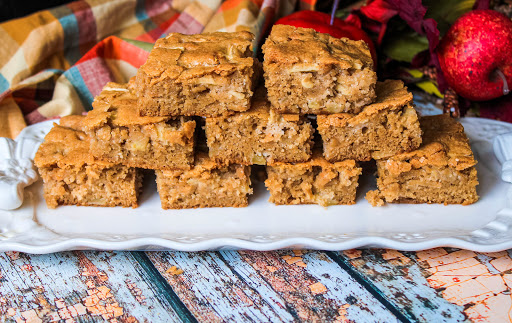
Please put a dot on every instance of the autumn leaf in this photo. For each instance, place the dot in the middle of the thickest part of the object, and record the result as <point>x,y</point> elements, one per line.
<point>447,11</point>
<point>407,46</point>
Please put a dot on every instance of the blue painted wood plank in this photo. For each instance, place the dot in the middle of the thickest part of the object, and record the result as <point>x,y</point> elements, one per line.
<point>84,286</point>
<point>268,286</point>
<point>402,281</point>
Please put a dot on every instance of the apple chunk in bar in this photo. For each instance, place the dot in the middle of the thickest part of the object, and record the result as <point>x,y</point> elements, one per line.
<point>206,184</point>
<point>71,175</point>
<point>314,182</point>
<point>307,72</point>
<point>119,135</point>
<point>259,136</point>
<point>441,170</point>
<point>384,128</point>
<point>205,75</point>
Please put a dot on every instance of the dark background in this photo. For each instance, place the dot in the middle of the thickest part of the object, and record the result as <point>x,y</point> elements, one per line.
<point>10,9</point>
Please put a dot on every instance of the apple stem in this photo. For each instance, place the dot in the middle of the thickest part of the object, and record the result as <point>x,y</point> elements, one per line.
<point>500,74</point>
<point>333,12</point>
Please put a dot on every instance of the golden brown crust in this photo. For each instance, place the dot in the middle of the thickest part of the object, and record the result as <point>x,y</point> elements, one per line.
<point>391,95</point>
<point>314,182</point>
<point>72,176</point>
<point>118,134</point>
<point>116,105</point>
<point>205,75</point>
<point>440,171</point>
<point>260,106</point>
<point>75,122</point>
<point>428,184</point>
<point>307,72</point>
<point>444,144</point>
<point>91,185</point>
<point>65,146</point>
<point>183,57</point>
<point>288,45</point>
<point>206,184</point>
<point>319,160</point>
<point>259,136</point>
<point>383,129</point>
<point>203,162</point>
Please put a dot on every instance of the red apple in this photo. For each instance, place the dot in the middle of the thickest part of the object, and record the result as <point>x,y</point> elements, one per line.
<point>476,55</point>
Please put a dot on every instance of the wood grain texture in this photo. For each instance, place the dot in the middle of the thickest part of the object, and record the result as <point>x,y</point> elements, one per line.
<point>84,286</point>
<point>267,286</point>
<point>436,285</point>
<point>440,285</point>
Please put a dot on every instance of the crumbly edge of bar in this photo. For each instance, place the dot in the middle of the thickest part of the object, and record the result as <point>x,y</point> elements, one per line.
<point>200,187</point>
<point>391,95</point>
<point>91,185</point>
<point>444,143</point>
<point>259,138</point>
<point>326,92</point>
<point>163,145</point>
<point>208,96</point>
<point>116,106</point>
<point>428,184</point>
<point>64,146</point>
<point>292,46</point>
<point>176,55</point>
<point>289,185</point>
<point>171,107</point>
<point>385,134</point>
<point>174,58</point>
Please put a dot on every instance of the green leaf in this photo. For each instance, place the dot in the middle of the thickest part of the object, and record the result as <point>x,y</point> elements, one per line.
<point>141,44</point>
<point>404,47</point>
<point>445,12</point>
<point>415,73</point>
<point>428,86</point>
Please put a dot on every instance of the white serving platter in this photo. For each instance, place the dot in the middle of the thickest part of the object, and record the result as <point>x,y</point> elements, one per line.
<point>484,226</point>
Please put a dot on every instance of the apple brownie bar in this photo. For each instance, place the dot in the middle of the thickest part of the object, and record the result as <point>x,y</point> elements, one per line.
<point>197,75</point>
<point>206,184</point>
<point>259,136</point>
<point>71,175</point>
<point>119,135</point>
<point>314,182</point>
<point>308,72</point>
<point>383,129</point>
<point>441,170</point>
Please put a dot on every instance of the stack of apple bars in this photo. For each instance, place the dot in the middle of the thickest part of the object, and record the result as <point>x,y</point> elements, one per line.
<point>198,114</point>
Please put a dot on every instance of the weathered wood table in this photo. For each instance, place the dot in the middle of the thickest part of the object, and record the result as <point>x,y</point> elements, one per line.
<point>436,285</point>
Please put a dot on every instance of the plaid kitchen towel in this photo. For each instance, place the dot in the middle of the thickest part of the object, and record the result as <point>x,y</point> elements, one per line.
<point>53,63</point>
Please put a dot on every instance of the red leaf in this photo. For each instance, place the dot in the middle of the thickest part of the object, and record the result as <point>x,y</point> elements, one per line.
<point>354,20</point>
<point>481,4</point>
<point>378,10</point>
<point>412,12</point>
<point>374,16</point>
<point>432,33</point>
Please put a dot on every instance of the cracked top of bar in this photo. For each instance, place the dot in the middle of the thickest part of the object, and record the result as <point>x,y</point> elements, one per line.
<point>444,144</point>
<point>66,145</point>
<point>308,50</point>
<point>116,105</point>
<point>190,56</point>
<point>391,95</point>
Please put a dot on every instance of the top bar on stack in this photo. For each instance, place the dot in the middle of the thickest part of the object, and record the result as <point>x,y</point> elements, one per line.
<point>207,75</point>
<point>312,73</point>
